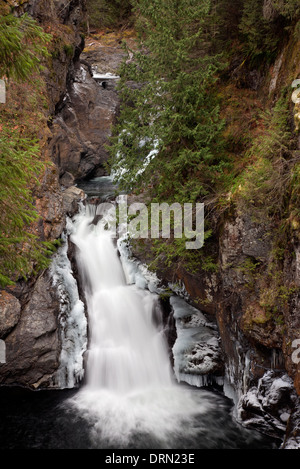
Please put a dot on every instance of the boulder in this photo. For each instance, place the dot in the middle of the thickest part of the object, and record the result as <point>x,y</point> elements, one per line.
<point>32,347</point>
<point>10,309</point>
<point>270,406</point>
<point>71,198</point>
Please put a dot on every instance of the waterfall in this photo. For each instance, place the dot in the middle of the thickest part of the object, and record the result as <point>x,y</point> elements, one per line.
<point>131,396</point>
<point>126,350</point>
<point>130,386</point>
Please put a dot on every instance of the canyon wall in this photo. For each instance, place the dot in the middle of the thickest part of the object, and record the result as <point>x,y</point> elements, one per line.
<point>30,311</point>
<point>256,307</point>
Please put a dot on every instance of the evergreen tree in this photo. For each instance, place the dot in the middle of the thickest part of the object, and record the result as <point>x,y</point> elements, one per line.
<point>228,19</point>
<point>264,27</point>
<point>108,13</point>
<point>22,48</point>
<point>169,131</point>
<point>21,251</point>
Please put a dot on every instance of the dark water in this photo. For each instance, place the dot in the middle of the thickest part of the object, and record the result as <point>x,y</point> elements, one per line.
<point>101,187</point>
<point>46,420</point>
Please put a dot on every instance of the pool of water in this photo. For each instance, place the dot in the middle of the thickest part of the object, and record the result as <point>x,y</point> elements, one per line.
<point>52,420</point>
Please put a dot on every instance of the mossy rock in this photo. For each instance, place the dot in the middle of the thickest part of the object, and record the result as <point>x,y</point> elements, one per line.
<point>4,8</point>
<point>255,314</point>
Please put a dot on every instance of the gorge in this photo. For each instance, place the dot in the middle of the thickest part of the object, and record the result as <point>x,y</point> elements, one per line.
<point>201,346</point>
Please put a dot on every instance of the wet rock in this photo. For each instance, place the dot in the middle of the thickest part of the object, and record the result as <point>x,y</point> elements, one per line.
<point>243,75</point>
<point>198,358</point>
<point>292,437</point>
<point>29,311</point>
<point>85,115</point>
<point>257,324</point>
<point>71,198</point>
<point>270,405</point>
<point>105,53</point>
<point>242,236</point>
<point>10,309</point>
<point>202,288</point>
<point>65,18</point>
<point>83,127</point>
<point>67,180</point>
<point>48,202</point>
<point>32,348</point>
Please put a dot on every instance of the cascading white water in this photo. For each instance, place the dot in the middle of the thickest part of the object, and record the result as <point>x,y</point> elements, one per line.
<point>131,398</point>
<point>130,387</point>
<point>126,350</point>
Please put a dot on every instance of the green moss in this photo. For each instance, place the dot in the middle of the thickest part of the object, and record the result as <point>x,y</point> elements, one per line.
<point>165,295</point>
<point>4,9</point>
<point>255,316</point>
<point>69,50</point>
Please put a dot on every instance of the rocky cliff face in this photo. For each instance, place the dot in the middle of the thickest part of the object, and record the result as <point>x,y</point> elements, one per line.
<point>256,297</point>
<point>258,326</point>
<point>29,312</point>
<point>83,123</point>
<point>81,113</point>
<point>82,127</point>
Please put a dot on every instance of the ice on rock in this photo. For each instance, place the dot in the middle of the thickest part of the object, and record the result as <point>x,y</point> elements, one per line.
<point>72,318</point>
<point>136,272</point>
<point>269,406</point>
<point>197,355</point>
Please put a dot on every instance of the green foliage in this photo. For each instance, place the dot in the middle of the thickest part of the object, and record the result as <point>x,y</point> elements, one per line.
<point>264,25</point>
<point>105,13</point>
<point>173,252</point>
<point>287,8</point>
<point>174,112</point>
<point>257,33</point>
<point>22,46</point>
<point>20,249</point>
<point>275,297</point>
<point>267,181</point>
<point>69,50</point>
<point>250,269</point>
<point>228,18</point>
<point>168,140</point>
